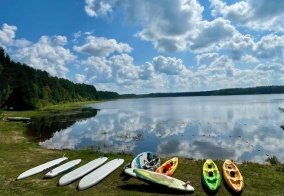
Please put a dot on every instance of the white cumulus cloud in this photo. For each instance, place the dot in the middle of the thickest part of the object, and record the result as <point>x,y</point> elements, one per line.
<point>47,54</point>
<point>254,14</point>
<point>100,47</point>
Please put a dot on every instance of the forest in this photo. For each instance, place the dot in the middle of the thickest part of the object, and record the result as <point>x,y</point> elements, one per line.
<point>25,88</point>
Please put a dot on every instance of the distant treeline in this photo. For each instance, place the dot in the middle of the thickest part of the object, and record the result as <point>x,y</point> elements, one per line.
<point>229,91</point>
<point>33,88</point>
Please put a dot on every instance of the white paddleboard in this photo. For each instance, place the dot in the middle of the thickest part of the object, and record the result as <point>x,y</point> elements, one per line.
<point>99,174</point>
<point>41,168</point>
<point>62,168</point>
<point>81,171</point>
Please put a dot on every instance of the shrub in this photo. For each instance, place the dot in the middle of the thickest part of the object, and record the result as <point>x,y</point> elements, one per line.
<point>273,160</point>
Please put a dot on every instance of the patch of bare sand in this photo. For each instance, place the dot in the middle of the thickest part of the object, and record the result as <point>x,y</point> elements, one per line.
<point>12,138</point>
<point>44,151</point>
<point>41,181</point>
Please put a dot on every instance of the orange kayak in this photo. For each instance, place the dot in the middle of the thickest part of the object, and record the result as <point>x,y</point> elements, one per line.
<point>233,176</point>
<point>169,167</point>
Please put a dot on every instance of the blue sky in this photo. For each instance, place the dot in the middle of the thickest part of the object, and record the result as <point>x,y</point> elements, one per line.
<point>145,46</point>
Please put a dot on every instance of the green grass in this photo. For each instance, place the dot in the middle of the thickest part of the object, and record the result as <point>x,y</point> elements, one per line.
<point>67,106</point>
<point>19,153</point>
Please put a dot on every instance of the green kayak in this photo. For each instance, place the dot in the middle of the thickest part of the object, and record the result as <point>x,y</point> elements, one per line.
<point>210,175</point>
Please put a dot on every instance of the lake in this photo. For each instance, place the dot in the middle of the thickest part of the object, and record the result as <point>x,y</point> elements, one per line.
<point>241,128</point>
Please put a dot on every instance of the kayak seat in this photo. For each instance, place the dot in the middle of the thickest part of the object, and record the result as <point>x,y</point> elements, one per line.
<point>210,174</point>
<point>235,181</point>
<point>212,181</point>
<point>232,174</point>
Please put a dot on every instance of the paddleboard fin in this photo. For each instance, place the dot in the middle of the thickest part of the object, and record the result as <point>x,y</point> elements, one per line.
<point>186,183</point>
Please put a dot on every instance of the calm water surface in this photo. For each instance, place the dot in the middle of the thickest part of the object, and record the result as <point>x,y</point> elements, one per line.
<point>242,128</point>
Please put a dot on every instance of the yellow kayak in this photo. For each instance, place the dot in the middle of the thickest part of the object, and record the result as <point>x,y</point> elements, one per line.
<point>169,167</point>
<point>233,176</point>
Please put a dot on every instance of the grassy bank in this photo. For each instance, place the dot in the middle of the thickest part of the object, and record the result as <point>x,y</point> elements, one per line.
<point>18,154</point>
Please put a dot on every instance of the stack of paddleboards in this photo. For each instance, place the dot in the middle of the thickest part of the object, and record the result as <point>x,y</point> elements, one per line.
<point>161,174</point>
<point>92,172</point>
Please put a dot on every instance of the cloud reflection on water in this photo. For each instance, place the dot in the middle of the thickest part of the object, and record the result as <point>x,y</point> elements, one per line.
<point>242,131</point>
